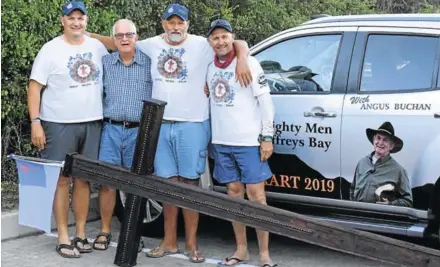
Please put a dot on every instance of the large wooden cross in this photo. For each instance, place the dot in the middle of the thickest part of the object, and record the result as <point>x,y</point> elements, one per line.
<point>140,183</point>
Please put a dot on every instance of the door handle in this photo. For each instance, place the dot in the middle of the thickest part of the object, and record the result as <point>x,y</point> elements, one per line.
<point>437,115</point>
<point>320,114</point>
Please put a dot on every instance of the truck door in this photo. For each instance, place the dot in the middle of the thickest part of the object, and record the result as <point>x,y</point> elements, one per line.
<point>393,78</point>
<point>306,70</point>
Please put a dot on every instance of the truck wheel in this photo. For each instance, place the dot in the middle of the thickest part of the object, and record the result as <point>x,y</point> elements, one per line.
<point>152,225</point>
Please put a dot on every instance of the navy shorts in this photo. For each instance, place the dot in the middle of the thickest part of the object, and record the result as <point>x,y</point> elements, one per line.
<point>239,163</point>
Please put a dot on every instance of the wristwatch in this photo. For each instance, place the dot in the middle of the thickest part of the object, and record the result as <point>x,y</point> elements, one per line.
<point>265,138</point>
<point>37,119</point>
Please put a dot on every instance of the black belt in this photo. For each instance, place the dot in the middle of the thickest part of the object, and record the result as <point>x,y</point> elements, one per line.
<point>168,121</point>
<point>126,124</point>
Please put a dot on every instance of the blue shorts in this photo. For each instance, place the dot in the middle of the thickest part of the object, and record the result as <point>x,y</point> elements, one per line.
<point>239,163</point>
<point>182,149</point>
<point>118,144</point>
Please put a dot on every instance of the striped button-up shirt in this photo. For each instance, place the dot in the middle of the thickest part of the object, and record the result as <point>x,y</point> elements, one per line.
<point>125,87</point>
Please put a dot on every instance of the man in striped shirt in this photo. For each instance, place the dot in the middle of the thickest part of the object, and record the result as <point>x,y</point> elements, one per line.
<point>127,82</point>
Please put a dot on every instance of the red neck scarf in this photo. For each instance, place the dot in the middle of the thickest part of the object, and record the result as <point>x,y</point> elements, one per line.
<point>227,62</point>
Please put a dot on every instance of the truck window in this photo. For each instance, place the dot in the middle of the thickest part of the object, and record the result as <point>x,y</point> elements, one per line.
<point>398,62</point>
<point>303,64</point>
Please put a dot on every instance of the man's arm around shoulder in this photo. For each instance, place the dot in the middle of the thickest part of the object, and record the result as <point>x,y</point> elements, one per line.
<point>107,41</point>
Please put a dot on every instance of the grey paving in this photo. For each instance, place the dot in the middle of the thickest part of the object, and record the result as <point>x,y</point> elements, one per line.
<point>215,239</point>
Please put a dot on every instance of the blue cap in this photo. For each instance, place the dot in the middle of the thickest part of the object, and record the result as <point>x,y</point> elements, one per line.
<point>220,23</point>
<point>176,10</point>
<point>69,7</point>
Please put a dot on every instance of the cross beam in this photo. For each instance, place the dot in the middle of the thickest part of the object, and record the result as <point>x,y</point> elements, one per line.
<point>274,220</point>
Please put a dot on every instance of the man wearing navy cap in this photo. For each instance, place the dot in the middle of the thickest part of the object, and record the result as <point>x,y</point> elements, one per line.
<point>68,116</point>
<point>242,133</point>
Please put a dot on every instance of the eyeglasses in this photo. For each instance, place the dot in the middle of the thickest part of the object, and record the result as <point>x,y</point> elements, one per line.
<point>129,35</point>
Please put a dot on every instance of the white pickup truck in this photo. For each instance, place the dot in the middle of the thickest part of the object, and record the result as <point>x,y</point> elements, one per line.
<point>332,78</point>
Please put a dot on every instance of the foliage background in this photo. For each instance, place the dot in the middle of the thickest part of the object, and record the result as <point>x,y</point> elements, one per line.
<point>28,24</point>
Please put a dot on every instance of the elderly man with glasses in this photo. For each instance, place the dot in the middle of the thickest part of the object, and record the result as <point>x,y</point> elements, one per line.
<point>127,82</point>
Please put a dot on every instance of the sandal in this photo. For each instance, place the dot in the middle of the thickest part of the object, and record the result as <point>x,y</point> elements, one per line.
<point>106,243</point>
<point>237,261</point>
<point>268,265</point>
<point>84,242</point>
<point>59,247</point>
<point>160,252</point>
<point>195,256</point>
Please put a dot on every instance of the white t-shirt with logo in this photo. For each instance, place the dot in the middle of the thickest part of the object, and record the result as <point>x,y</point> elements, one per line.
<point>179,75</point>
<point>235,113</point>
<point>72,75</point>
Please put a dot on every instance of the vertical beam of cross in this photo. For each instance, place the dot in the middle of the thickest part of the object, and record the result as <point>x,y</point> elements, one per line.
<point>143,163</point>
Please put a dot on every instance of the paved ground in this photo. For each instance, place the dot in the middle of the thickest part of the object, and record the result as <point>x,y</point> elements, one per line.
<point>216,244</point>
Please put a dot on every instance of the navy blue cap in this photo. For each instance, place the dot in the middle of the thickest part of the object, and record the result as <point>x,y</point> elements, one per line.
<point>176,10</point>
<point>69,7</point>
<point>220,23</point>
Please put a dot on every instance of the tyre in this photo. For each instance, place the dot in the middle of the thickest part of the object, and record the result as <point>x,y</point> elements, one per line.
<point>152,225</point>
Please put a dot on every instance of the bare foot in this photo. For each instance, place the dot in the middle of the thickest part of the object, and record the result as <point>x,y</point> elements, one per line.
<point>266,261</point>
<point>238,257</point>
<point>66,251</point>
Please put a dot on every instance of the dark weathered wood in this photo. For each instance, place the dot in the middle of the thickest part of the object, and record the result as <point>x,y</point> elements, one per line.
<point>143,163</point>
<point>278,221</point>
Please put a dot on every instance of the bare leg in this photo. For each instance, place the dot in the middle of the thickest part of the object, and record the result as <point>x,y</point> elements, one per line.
<point>256,193</point>
<point>61,212</point>
<point>81,200</point>
<point>191,219</point>
<point>236,189</point>
<point>170,213</point>
<point>107,199</point>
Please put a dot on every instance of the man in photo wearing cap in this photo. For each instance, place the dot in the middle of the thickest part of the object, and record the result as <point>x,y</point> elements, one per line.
<point>379,178</point>
<point>242,133</point>
<point>179,65</point>
<point>68,116</point>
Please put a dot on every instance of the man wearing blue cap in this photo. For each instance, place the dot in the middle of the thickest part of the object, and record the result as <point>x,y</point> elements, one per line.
<point>68,116</point>
<point>242,133</point>
<point>179,65</point>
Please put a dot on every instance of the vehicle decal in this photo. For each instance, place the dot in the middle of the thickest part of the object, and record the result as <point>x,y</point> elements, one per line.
<point>312,141</point>
<point>365,104</point>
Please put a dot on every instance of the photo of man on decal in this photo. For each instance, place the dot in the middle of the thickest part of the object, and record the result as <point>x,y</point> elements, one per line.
<point>379,178</point>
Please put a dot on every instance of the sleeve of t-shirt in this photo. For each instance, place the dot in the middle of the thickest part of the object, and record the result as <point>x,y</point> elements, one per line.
<point>259,82</point>
<point>146,45</point>
<point>42,67</point>
<point>206,51</point>
<point>103,50</point>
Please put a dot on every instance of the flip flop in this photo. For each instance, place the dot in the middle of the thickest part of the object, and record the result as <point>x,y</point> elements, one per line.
<point>160,252</point>
<point>268,265</point>
<point>237,262</point>
<point>191,254</point>
<point>84,242</point>
<point>59,247</point>
<point>108,237</point>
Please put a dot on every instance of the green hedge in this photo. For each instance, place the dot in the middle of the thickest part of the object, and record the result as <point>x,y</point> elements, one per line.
<point>28,24</point>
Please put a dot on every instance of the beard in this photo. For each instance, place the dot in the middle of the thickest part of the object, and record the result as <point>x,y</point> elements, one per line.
<point>175,37</point>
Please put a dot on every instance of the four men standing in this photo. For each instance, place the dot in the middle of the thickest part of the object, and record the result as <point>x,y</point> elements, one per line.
<point>75,103</point>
